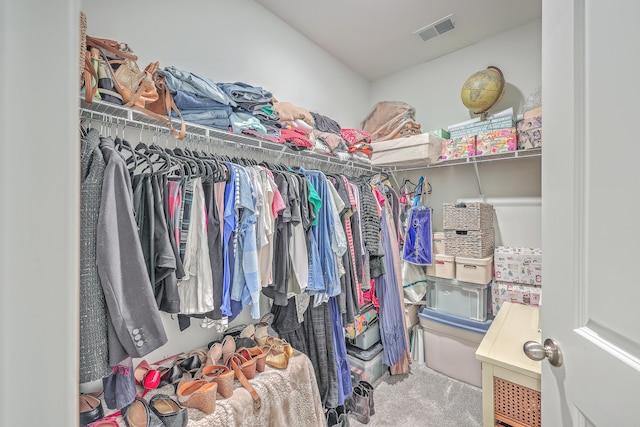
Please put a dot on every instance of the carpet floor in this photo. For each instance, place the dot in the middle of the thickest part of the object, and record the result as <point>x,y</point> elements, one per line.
<point>424,398</point>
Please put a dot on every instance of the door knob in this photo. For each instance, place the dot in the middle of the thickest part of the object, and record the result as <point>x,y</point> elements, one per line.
<point>550,350</point>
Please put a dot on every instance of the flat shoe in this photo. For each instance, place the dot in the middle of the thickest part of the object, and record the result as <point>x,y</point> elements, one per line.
<point>90,409</point>
<point>138,414</point>
<point>169,411</point>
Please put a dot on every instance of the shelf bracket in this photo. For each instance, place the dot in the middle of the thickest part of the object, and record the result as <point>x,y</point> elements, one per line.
<point>475,167</point>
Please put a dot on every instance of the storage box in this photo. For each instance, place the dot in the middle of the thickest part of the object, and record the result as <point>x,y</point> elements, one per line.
<point>364,355</point>
<point>517,293</point>
<point>445,266</point>
<point>366,370</point>
<point>411,314</point>
<point>442,133</point>
<point>482,126</point>
<point>468,216</point>
<point>438,242</point>
<point>529,133</point>
<point>459,148</point>
<point>474,270</point>
<point>369,337</point>
<point>450,344</point>
<point>496,142</point>
<point>469,243</point>
<point>416,150</point>
<point>518,264</point>
<point>462,299</point>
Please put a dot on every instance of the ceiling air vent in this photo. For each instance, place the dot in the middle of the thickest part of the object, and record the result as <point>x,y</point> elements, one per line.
<point>435,29</point>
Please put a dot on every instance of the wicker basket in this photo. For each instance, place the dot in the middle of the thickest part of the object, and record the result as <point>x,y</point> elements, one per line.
<point>475,216</point>
<point>469,243</point>
<point>515,404</point>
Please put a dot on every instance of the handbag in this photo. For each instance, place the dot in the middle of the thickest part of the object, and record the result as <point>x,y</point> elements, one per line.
<point>136,86</point>
<point>143,90</point>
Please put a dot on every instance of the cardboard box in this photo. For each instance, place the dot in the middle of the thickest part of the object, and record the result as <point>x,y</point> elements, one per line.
<point>529,133</point>
<point>459,148</point>
<point>496,142</point>
<point>516,293</point>
<point>518,265</point>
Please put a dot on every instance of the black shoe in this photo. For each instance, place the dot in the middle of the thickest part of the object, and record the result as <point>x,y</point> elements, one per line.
<point>90,409</point>
<point>138,414</point>
<point>170,412</point>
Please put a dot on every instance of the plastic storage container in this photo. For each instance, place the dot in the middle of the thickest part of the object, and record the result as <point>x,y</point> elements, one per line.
<point>450,344</point>
<point>368,337</point>
<point>445,266</point>
<point>463,299</point>
<point>474,270</point>
<point>367,370</point>
<point>438,242</point>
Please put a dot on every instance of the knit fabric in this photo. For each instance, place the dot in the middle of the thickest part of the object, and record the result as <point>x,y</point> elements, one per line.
<point>94,356</point>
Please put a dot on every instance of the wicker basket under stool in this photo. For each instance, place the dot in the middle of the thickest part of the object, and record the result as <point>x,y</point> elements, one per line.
<point>516,405</point>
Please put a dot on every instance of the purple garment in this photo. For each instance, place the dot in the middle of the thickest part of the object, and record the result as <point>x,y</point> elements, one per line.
<point>342,362</point>
<point>391,304</point>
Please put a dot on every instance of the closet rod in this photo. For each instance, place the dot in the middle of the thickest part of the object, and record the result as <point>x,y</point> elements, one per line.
<point>111,114</point>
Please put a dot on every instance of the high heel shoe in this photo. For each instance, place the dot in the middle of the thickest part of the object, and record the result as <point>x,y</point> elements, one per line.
<point>198,394</point>
<point>221,375</point>
<point>190,363</point>
<point>170,375</point>
<point>234,362</point>
<point>256,354</point>
<point>214,354</point>
<point>151,380</point>
<point>248,366</point>
<point>228,347</point>
<point>140,371</point>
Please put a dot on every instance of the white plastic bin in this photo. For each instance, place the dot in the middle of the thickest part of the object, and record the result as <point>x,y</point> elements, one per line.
<point>474,270</point>
<point>450,345</point>
<point>445,266</point>
<point>463,299</point>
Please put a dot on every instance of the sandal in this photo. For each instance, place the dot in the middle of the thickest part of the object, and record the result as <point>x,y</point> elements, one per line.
<point>221,375</point>
<point>233,362</point>
<point>277,357</point>
<point>198,394</point>
<point>256,354</point>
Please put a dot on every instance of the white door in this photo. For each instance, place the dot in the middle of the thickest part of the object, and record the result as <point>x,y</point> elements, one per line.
<point>591,204</point>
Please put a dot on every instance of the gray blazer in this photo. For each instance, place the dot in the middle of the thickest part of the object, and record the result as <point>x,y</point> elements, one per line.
<point>135,326</point>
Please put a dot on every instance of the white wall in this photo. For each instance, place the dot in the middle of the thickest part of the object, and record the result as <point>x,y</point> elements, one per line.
<point>39,214</point>
<point>433,88</point>
<point>231,41</point>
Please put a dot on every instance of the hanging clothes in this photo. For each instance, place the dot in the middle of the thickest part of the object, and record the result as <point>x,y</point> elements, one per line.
<point>135,327</point>
<point>94,357</point>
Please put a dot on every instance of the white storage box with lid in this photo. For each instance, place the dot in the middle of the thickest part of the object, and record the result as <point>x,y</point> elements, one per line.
<point>474,270</point>
<point>463,299</point>
<point>367,370</point>
<point>445,266</point>
<point>450,344</point>
<point>438,249</point>
<point>416,150</point>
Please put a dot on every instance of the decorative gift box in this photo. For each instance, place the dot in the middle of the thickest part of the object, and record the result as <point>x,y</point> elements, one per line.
<point>517,293</point>
<point>496,142</point>
<point>529,132</point>
<point>518,264</point>
<point>459,148</point>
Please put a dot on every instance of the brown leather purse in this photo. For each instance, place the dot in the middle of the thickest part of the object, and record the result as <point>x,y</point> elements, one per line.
<point>144,90</point>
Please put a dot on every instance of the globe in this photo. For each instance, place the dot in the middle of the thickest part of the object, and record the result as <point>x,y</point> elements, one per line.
<point>482,90</point>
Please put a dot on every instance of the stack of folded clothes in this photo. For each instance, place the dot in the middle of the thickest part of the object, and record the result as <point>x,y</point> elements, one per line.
<point>391,120</point>
<point>254,109</point>
<point>199,99</point>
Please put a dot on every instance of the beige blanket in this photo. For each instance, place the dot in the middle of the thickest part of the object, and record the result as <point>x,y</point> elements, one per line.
<point>290,397</point>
